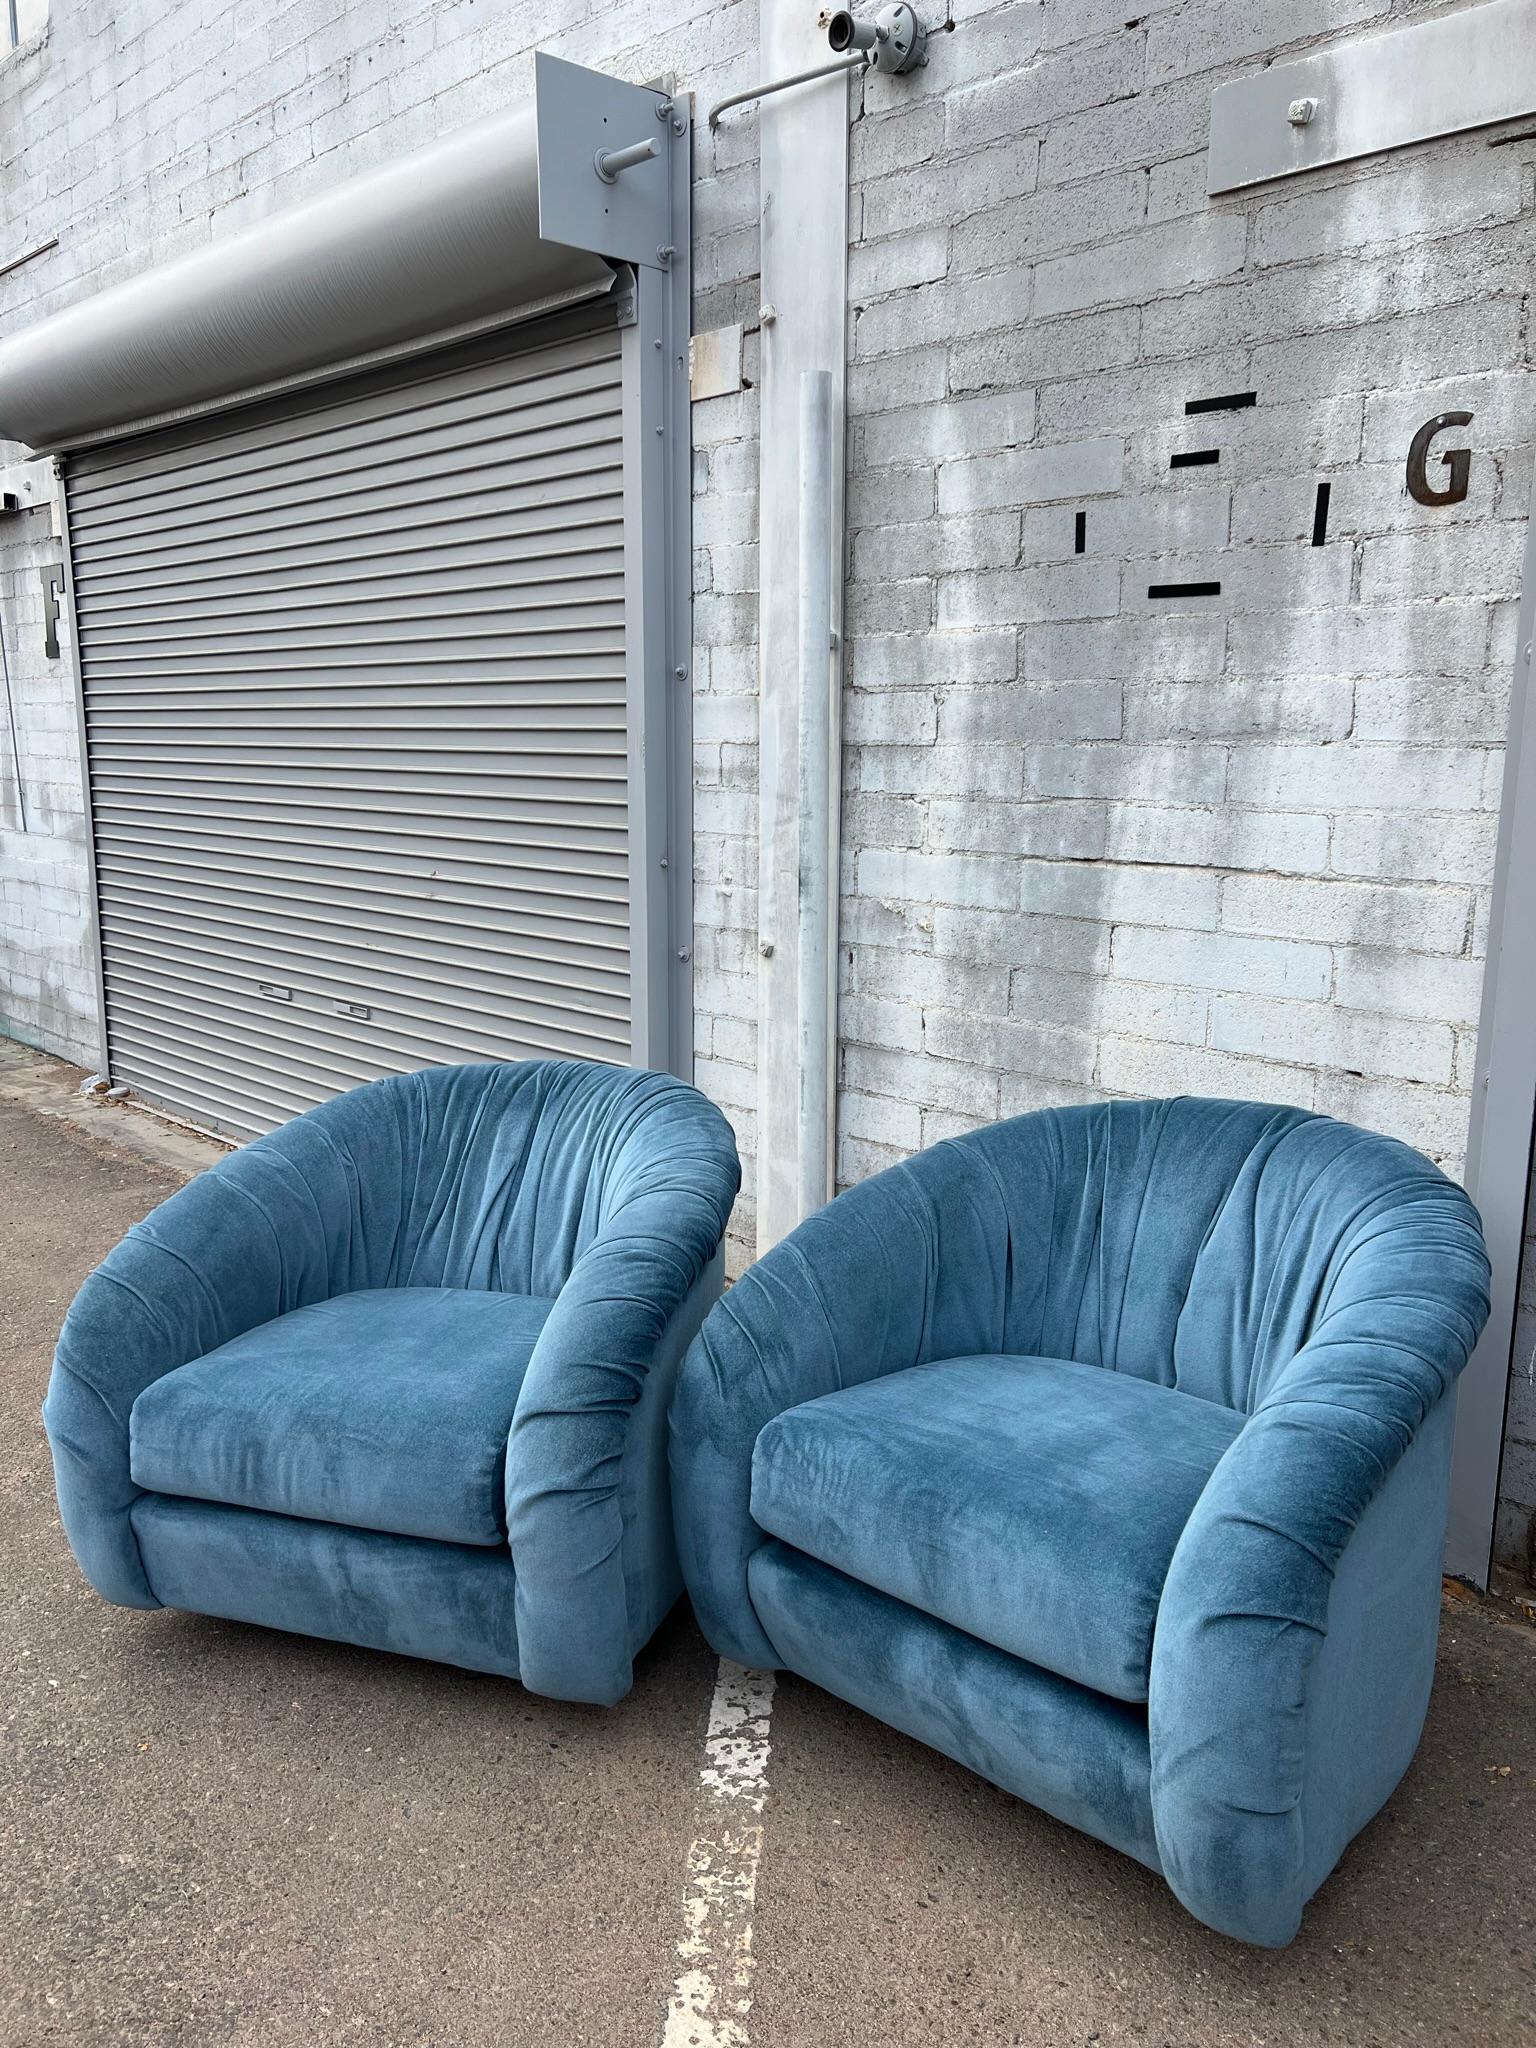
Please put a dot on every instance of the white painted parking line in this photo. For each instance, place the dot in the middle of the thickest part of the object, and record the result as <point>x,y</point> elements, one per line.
<point>712,1996</point>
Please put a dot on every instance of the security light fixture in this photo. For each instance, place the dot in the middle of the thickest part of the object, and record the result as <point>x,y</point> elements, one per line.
<point>894,40</point>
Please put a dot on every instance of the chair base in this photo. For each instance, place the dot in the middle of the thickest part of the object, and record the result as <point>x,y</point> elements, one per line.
<point>1075,1754</point>
<point>450,1603</point>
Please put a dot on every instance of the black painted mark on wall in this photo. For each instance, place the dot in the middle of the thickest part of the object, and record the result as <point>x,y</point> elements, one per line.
<point>52,579</point>
<point>1457,460</point>
<point>1183,590</point>
<point>1231,401</point>
<point>1080,533</point>
<point>1320,514</point>
<point>1194,458</point>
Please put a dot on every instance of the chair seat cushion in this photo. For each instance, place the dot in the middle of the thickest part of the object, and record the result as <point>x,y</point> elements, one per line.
<point>1032,1502</point>
<point>381,1410</point>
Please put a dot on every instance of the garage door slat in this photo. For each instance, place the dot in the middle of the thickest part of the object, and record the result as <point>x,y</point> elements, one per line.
<point>353,667</point>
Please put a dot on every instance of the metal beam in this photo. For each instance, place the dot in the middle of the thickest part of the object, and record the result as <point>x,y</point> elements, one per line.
<point>1503,1105</point>
<point>77,688</point>
<point>658,598</point>
<point>804,185</point>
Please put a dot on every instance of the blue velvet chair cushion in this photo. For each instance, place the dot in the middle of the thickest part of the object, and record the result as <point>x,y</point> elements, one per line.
<point>1033,1502</point>
<point>384,1409</point>
<point>1078,1755</point>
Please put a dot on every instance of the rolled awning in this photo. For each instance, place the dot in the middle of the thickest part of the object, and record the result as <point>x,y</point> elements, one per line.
<point>437,243</point>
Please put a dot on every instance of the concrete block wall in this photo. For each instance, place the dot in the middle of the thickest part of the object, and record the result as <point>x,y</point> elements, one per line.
<point>1098,843</point>
<point>1094,843</point>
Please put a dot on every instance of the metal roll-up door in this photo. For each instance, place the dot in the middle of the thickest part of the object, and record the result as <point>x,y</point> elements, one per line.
<point>353,678</point>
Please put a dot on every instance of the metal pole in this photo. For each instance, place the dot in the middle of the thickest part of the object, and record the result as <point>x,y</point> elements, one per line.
<point>94,952</point>
<point>814,810</point>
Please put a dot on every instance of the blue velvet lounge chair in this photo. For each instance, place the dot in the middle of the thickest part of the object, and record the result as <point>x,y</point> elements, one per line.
<point>1106,1451</point>
<point>398,1373</point>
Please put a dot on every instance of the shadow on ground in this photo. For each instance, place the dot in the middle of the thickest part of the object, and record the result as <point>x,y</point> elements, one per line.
<point>900,1899</point>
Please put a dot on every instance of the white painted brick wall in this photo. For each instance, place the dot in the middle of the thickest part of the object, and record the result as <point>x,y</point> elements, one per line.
<point>1092,843</point>
<point>1238,845</point>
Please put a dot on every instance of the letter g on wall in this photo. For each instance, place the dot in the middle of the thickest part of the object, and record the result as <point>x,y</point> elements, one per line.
<point>1457,460</point>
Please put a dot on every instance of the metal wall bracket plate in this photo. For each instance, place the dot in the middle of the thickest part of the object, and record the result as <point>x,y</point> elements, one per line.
<point>714,362</point>
<point>1437,77</point>
<point>584,113</point>
<point>24,484</point>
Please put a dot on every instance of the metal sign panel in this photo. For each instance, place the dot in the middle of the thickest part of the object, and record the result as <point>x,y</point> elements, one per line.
<point>1436,77</point>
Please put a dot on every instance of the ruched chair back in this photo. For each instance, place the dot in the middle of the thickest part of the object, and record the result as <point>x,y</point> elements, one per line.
<point>1194,1243</point>
<point>484,1177</point>
<point>603,1190</point>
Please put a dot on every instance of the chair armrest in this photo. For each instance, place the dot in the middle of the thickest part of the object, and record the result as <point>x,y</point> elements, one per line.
<point>857,1291</point>
<point>565,1491</point>
<point>272,1227</point>
<point>1295,1637</point>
